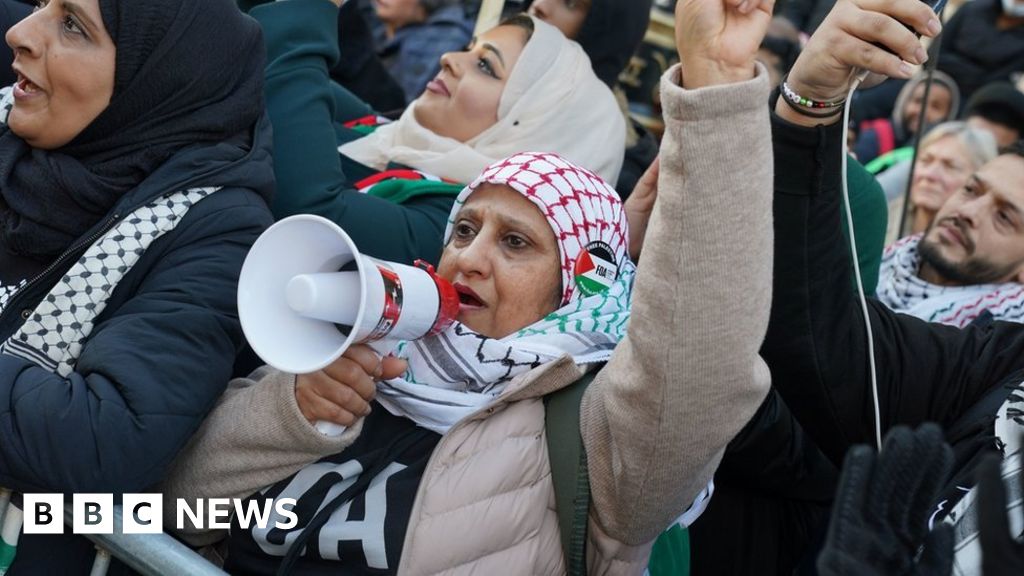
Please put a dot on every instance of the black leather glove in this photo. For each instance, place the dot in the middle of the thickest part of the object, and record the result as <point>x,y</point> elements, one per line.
<point>1002,554</point>
<point>880,517</point>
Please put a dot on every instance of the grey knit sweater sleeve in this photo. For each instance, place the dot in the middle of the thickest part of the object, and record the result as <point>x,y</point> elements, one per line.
<point>268,438</point>
<point>687,377</point>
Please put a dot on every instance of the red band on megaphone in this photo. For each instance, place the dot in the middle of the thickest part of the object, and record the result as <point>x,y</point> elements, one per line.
<point>448,299</point>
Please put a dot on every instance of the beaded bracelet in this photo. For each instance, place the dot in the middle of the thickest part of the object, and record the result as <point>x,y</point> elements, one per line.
<point>808,107</point>
<point>806,111</point>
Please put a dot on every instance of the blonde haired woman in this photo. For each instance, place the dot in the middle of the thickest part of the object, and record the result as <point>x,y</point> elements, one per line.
<point>949,154</point>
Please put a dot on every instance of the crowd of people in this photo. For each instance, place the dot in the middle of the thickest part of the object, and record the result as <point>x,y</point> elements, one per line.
<point>775,338</point>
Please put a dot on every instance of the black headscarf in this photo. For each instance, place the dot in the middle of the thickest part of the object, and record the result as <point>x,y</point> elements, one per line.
<point>187,72</point>
<point>611,33</point>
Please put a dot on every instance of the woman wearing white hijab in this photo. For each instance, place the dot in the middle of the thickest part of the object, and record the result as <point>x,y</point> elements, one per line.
<point>520,86</point>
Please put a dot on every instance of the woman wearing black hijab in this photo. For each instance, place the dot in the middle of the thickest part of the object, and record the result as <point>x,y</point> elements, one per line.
<point>134,175</point>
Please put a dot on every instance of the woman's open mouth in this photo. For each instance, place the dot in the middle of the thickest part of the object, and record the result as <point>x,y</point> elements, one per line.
<point>468,300</point>
<point>25,88</point>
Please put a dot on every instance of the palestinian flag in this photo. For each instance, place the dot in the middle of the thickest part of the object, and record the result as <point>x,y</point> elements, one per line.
<point>366,124</point>
<point>595,269</point>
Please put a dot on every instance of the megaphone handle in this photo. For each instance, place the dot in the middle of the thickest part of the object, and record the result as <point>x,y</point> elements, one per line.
<point>382,347</point>
<point>330,428</point>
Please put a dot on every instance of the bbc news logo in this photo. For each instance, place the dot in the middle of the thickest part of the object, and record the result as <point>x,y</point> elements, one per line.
<point>144,513</point>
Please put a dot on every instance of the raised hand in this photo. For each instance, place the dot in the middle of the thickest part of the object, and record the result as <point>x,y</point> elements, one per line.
<point>342,392</point>
<point>717,40</point>
<point>880,517</point>
<point>849,38</point>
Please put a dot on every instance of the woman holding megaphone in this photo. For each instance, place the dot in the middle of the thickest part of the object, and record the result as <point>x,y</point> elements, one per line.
<point>520,86</point>
<point>450,471</point>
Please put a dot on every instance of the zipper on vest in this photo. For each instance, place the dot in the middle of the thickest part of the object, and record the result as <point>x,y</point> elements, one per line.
<point>53,265</point>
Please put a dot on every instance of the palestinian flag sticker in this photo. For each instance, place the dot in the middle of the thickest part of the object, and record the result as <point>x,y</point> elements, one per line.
<point>595,269</point>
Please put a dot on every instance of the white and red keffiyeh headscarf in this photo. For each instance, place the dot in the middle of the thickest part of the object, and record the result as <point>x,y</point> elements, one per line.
<point>583,210</point>
<point>456,372</point>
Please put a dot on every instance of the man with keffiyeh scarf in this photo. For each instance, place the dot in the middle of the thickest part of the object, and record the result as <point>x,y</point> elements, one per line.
<point>970,380</point>
<point>969,264</point>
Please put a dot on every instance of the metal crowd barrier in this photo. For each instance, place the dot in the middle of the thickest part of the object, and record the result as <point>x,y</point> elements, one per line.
<point>147,554</point>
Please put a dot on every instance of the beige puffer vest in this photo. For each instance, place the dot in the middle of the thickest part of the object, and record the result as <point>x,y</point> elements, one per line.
<point>486,503</point>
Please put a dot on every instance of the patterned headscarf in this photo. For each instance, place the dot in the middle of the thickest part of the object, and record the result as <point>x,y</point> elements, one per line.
<point>583,210</point>
<point>456,372</point>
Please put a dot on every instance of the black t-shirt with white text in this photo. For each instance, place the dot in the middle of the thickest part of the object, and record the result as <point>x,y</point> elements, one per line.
<point>362,536</point>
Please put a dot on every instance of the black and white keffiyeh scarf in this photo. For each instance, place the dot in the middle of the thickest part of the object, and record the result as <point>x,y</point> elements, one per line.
<point>901,290</point>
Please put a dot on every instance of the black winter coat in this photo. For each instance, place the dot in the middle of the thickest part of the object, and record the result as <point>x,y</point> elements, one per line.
<point>160,353</point>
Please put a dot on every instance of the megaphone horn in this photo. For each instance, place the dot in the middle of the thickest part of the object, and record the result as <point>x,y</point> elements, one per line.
<point>305,294</point>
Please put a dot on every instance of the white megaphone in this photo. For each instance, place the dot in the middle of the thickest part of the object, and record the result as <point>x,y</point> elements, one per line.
<point>306,294</point>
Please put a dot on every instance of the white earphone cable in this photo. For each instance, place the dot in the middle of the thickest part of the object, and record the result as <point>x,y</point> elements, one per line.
<point>856,268</point>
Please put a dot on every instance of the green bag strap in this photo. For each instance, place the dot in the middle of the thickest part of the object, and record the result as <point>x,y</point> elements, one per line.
<point>569,470</point>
